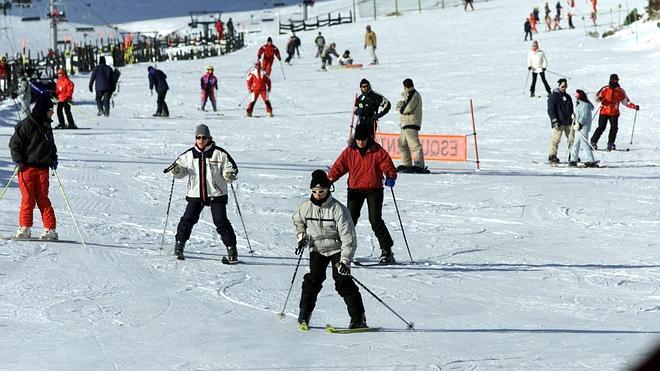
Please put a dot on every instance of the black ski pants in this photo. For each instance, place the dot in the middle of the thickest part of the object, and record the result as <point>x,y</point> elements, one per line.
<point>545,82</point>
<point>103,102</point>
<point>528,33</point>
<point>62,108</point>
<point>161,106</point>
<point>374,200</point>
<point>288,57</point>
<point>602,123</point>
<point>313,282</point>
<point>218,211</point>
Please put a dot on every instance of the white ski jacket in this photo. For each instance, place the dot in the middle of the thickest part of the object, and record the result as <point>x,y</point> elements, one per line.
<point>329,228</point>
<point>537,60</point>
<point>207,172</point>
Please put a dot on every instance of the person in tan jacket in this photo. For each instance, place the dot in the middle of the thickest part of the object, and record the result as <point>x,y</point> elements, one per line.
<point>410,109</point>
<point>370,45</point>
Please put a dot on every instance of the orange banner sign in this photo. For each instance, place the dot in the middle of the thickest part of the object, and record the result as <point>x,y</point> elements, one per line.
<point>436,147</point>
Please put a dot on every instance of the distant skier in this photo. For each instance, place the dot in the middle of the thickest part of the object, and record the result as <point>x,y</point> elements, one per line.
<point>102,80</point>
<point>320,43</point>
<point>269,53</point>
<point>326,55</point>
<point>259,85</point>
<point>345,58</point>
<point>370,45</point>
<point>533,22</point>
<point>560,111</point>
<point>570,13</point>
<point>468,2</point>
<point>370,107</point>
<point>24,92</point>
<point>367,163</point>
<point>33,149</point>
<point>219,29</point>
<point>209,85</point>
<point>528,29</point>
<point>609,97</point>
<point>209,168</point>
<point>537,63</point>
<point>64,90</point>
<point>582,126</point>
<point>297,43</point>
<point>158,79</point>
<point>4,76</point>
<point>324,225</point>
<point>291,47</point>
<point>410,109</point>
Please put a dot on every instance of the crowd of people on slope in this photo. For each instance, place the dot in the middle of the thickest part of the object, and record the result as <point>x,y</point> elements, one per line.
<point>554,23</point>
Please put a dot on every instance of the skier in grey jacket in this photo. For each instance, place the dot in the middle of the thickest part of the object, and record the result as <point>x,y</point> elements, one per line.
<point>582,126</point>
<point>325,226</point>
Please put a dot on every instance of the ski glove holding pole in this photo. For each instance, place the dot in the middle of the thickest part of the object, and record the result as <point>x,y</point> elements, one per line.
<point>389,182</point>
<point>230,176</point>
<point>302,243</point>
<point>343,267</point>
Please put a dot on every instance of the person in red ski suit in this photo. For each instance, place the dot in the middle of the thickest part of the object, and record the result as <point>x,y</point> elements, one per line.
<point>33,150</point>
<point>258,83</point>
<point>609,97</point>
<point>209,85</point>
<point>220,29</point>
<point>64,88</point>
<point>269,52</point>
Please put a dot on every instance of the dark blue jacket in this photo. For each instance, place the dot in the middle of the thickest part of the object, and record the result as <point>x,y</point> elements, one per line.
<point>158,78</point>
<point>102,75</point>
<point>560,109</point>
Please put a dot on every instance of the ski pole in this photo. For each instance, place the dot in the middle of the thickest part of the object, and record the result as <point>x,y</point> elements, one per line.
<point>526,80</point>
<point>401,223</point>
<point>68,205</point>
<point>411,325</point>
<point>633,128</point>
<point>8,182</point>
<point>167,215</point>
<point>350,129</point>
<point>243,100</point>
<point>282,69</point>
<point>293,279</point>
<point>586,140</point>
<point>233,191</point>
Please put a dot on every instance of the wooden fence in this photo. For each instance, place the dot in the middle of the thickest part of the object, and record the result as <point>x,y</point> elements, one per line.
<point>296,26</point>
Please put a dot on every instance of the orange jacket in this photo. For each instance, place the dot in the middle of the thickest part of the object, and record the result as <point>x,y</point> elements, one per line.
<point>610,98</point>
<point>64,89</point>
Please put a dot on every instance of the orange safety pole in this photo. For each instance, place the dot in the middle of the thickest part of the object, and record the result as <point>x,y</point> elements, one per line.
<point>474,133</point>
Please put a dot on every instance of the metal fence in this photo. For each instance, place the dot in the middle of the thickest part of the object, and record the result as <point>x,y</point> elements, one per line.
<point>381,8</point>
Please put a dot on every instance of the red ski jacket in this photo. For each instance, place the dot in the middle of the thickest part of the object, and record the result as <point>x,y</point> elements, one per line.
<point>258,81</point>
<point>610,98</point>
<point>269,51</point>
<point>364,172</point>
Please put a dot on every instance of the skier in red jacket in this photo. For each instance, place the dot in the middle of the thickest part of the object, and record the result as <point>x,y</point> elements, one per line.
<point>366,162</point>
<point>609,97</point>
<point>64,88</point>
<point>269,52</point>
<point>258,83</point>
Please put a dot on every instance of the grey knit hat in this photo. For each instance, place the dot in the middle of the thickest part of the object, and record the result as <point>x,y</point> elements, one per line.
<point>202,130</point>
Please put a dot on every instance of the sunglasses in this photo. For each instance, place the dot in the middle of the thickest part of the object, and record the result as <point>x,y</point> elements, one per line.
<point>364,86</point>
<point>202,137</point>
<point>319,191</point>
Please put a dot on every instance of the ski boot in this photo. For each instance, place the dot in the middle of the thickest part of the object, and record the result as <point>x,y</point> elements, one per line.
<point>386,257</point>
<point>594,145</point>
<point>303,320</point>
<point>23,233</point>
<point>572,163</point>
<point>178,250</point>
<point>248,114</point>
<point>403,169</point>
<point>49,234</point>
<point>72,126</point>
<point>611,147</point>
<point>359,321</point>
<point>553,159</point>
<point>232,254</point>
<point>60,126</point>
<point>269,114</point>
<point>591,164</point>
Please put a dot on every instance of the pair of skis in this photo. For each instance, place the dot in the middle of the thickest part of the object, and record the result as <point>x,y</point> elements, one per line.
<point>337,330</point>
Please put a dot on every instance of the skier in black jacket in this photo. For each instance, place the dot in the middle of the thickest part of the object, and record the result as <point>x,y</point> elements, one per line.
<point>158,79</point>
<point>102,76</point>
<point>367,106</point>
<point>560,111</point>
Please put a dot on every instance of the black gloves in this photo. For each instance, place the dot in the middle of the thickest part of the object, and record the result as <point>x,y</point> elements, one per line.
<point>302,243</point>
<point>343,267</point>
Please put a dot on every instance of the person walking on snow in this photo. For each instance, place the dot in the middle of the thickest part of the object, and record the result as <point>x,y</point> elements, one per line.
<point>370,106</point>
<point>259,85</point>
<point>528,29</point>
<point>366,163</point>
<point>209,84</point>
<point>468,2</point>
<point>291,49</point>
<point>370,45</point>
<point>219,28</point>
<point>537,63</point>
<point>410,109</point>
<point>209,168</point>
<point>326,55</point>
<point>4,76</point>
<point>582,126</point>
<point>158,79</point>
<point>560,111</point>
<point>324,225</point>
<point>25,93</point>
<point>101,79</point>
<point>64,89</point>
<point>609,97</point>
<point>269,52</point>
<point>33,149</point>
<point>320,43</point>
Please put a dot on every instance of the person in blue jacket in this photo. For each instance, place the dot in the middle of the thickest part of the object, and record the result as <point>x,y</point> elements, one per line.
<point>582,125</point>
<point>158,79</point>
<point>101,79</point>
<point>560,110</point>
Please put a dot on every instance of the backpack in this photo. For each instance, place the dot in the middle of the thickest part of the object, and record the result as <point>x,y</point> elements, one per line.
<point>115,79</point>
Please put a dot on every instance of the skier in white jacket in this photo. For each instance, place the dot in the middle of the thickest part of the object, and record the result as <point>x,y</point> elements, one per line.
<point>537,63</point>
<point>209,168</point>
